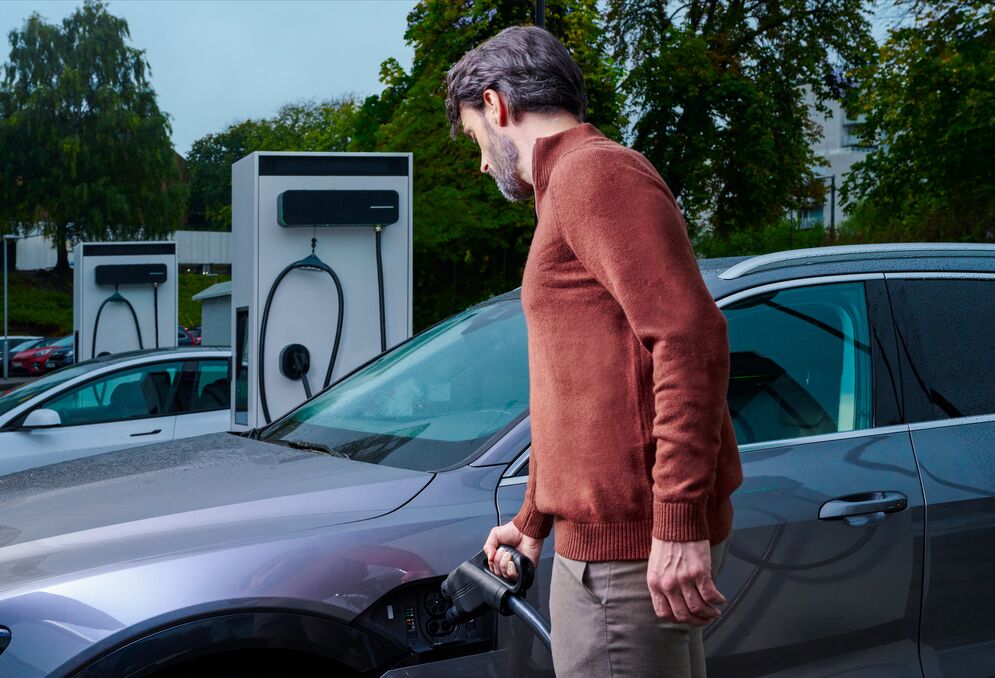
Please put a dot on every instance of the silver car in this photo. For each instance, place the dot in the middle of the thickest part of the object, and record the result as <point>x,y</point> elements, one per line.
<point>863,542</point>
<point>115,402</point>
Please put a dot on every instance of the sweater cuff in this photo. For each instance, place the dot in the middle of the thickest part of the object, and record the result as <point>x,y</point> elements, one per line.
<point>533,523</point>
<point>675,521</point>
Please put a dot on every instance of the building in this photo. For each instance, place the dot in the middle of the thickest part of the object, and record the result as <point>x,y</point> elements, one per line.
<point>196,252</point>
<point>841,148</point>
<point>215,314</point>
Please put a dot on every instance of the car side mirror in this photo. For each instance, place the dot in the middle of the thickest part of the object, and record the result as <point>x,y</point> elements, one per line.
<point>42,418</point>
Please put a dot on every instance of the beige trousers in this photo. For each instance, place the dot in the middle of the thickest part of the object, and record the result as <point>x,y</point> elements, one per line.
<point>603,623</point>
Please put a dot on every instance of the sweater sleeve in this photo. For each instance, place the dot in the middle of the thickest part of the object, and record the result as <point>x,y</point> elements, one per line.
<point>621,222</point>
<point>532,522</point>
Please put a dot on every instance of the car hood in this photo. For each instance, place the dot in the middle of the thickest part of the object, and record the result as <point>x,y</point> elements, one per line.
<point>30,353</point>
<point>187,494</point>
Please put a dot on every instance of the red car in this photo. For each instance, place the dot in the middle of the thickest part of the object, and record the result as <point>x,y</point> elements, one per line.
<point>32,361</point>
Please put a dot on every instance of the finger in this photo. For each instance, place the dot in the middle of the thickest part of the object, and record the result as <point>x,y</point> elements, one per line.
<point>680,608</point>
<point>696,606</point>
<point>508,569</point>
<point>709,593</point>
<point>491,544</point>
<point>661,606</point>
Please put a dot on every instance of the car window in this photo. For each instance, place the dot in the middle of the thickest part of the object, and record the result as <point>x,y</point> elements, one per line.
<point>800,362</point>
<point>145,391</point>
<point>33,389</point>
<point>204,386</point>
<point>945,330</point>
<point>430,403</point>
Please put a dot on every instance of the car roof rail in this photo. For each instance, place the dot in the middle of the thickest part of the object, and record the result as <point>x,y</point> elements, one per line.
<point>765,262</point>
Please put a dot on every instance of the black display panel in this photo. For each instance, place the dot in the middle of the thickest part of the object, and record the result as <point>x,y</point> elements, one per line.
<point>131,274</point>
<point>338,208</point>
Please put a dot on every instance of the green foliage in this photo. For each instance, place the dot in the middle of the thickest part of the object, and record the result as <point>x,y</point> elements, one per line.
<point>37,306</point>
<point>781,235</point>
<point>87,150</point>
<point>302,126</point>
<point>929,102</point>
<point>191,284</point>
<point>715,90</point>
<point>470,242</point>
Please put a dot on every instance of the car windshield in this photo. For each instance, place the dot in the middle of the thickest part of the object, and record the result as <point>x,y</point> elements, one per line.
<point>22,394</point>
<point>430,403</point>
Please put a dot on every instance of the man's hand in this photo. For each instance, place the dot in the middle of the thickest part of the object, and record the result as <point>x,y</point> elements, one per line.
<point>679,576</point>
<point>500,561</point>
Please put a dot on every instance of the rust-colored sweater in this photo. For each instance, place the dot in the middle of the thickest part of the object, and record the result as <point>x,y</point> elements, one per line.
<point>628,361</point>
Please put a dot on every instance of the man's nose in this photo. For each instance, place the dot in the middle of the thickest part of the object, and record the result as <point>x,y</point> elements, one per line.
<point>483,166</point>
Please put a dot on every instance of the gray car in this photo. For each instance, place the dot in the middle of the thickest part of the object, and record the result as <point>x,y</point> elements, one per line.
<point>864,535</point>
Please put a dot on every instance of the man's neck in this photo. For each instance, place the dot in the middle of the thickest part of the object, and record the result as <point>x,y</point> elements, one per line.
<point>535,126</point>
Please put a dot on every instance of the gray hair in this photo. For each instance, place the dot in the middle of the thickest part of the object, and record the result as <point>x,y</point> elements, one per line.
<point>527,65</point>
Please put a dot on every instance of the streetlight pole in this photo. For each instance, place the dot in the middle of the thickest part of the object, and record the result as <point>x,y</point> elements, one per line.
<point>540,17</point>
<point>6,333</point>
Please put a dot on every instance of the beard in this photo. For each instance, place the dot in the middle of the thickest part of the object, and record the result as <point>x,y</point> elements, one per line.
<point>504,166</point>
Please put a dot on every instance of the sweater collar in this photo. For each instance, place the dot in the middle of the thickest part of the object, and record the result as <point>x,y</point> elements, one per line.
<point>548,150</point>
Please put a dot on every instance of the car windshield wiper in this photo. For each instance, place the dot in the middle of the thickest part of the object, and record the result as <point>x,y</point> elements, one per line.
<point>310,447</point>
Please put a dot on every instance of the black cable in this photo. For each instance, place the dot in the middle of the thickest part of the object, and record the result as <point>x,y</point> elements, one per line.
<point>155,307</point>
<point>383,321</point>
<point>116,298</point>
<point>308,263</point>
<point>528,614</point>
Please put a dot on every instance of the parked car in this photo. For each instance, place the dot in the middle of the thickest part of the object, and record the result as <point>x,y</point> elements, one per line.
<point>195,333</point>
<point>15,341</point>
<point>861,392</point>
<point>184,338</point>
<point>32,361</point>
<point>24,346</point>
<point>114,402</point>
<point>61,356</point>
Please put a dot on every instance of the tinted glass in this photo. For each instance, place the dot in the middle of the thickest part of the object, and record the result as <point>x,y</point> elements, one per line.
<point>800,363</point>
<point>431,402</point>
<point>946,335</point>
<point>145,391</point>
<point>209,387</point>
<point>32,389</point>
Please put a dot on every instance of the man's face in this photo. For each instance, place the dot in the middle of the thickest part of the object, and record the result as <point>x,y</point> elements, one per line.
<point>498,155</point>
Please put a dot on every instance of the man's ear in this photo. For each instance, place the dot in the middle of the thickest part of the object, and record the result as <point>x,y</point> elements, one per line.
<point>495,108</point>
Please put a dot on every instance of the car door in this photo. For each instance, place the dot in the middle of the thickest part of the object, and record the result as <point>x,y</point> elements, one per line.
<point>945,325</point>
<point>124,408</point>
<point>822,574</point>
<point>202,397</point>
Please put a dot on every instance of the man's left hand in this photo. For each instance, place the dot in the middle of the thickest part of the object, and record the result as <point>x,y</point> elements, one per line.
<point>679,576</point>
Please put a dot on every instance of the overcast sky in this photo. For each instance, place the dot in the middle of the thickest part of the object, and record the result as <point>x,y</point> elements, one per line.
<point>215,62</point>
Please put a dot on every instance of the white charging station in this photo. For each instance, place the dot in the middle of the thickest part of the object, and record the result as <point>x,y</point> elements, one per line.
<point>124,297</point>
<point>321,272</point>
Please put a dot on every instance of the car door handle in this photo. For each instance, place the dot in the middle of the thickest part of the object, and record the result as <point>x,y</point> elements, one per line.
<point>863,504</point>
<point>147,433</point>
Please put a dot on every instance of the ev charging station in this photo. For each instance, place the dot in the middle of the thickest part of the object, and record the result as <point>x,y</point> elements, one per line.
<point>321,272</point>
<point>124,297</point>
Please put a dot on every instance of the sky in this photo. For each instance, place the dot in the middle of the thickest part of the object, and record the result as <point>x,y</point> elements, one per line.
<point>215,62</point>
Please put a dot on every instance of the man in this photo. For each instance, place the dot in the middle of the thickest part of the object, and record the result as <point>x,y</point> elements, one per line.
<point>633,450</point>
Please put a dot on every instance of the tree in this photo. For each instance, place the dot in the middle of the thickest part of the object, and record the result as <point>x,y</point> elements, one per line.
<point>470,242</point>
<point>715,90</point>
<point>302,126</point>
<point>87,151</point>
<point>929,110</point>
